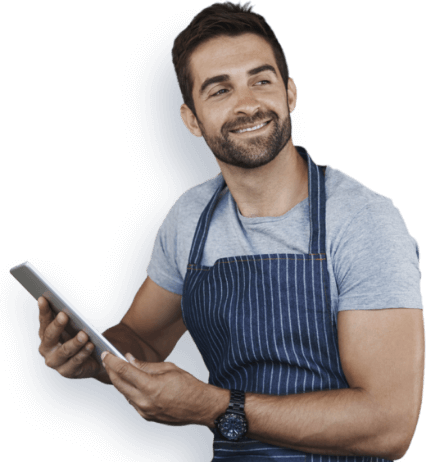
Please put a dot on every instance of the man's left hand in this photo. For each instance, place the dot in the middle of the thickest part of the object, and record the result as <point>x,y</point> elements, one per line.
<point>160,392</point>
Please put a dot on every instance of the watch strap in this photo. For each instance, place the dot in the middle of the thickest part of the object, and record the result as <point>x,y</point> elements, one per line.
<point>237,401</point>
<point>236,406</point>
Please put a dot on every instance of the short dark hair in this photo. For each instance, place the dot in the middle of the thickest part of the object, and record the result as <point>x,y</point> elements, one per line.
<point>218,20</point>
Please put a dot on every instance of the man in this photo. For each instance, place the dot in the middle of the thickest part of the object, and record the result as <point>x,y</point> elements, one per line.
<point>296,282</point>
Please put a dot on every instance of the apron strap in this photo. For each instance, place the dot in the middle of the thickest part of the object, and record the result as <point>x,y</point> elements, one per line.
<point>317,207</point>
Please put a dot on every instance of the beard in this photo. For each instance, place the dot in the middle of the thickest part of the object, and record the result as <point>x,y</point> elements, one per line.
<point>254,151</point>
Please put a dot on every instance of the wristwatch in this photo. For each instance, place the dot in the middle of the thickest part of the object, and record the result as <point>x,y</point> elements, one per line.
<point>232,425</point>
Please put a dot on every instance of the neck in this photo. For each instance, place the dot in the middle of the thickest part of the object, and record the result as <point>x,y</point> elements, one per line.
<point>270,190</point>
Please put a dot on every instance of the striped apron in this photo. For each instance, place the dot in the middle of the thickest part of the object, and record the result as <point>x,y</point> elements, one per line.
<point>263,323</point>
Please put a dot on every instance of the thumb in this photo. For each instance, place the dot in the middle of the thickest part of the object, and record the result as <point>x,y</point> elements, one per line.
<point>143,365</point>
<point>135,362</point>
<point>149,367</point>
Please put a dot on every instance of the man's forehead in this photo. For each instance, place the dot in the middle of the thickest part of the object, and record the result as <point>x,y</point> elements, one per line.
<point>221,54</point>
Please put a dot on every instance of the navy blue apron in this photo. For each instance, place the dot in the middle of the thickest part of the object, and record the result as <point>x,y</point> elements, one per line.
<point>263,323</point>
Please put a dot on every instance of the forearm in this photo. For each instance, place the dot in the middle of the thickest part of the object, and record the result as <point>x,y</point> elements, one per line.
<point>127,341</point>
<point>329,422</point>
<point>333,422</point>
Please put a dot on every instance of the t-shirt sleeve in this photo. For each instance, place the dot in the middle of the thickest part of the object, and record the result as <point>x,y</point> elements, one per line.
<point>163,267</point>
<point>376,263</point>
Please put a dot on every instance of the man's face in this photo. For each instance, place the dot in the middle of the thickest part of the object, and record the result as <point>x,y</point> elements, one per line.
<point>237,86</point>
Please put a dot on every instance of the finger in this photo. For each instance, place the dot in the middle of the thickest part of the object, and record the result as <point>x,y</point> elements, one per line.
<point>52,333</point>
<point>46,315</point>
<point>78,365</point>
<point>123,369</point>
<point>150,367</point>
<point>67,350</point>
<point>130,391</point>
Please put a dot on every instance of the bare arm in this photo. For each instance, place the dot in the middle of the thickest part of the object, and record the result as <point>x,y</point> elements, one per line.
<point>126,340</point>
<point>151,328</point>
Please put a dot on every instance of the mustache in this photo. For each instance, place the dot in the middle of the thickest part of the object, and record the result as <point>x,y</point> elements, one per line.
<point>259,117</point>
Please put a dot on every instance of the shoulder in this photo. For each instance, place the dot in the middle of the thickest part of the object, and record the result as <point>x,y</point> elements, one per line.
<point>186,210</point>
<point>358,216</point>
<point>196,198</point>
<point>348,200</point>
<point>375,261</point>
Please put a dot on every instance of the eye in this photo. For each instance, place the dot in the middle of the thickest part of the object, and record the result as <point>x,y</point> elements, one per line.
<point>218,92</point>
<point>222,90</point>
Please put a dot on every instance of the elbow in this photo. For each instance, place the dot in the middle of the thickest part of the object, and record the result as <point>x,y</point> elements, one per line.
<point>392,432</point>
<point>401,446</point>
<point>398,453</point>
<point>391,448</point>
<point>394,455</point>
<point>396,441</point>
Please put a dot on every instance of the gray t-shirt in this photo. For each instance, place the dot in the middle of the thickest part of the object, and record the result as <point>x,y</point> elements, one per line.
<point>373,262</point>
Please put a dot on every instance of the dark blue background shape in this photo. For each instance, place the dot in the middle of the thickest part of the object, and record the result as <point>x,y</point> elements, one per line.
<point>100,154</point>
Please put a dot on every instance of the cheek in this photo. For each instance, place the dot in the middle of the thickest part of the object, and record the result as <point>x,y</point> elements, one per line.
<point>213,121</point>
<point>281,109</point>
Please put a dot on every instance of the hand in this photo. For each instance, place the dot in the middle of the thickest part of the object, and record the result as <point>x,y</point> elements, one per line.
<point>69,357</point>
<point>160,392</point>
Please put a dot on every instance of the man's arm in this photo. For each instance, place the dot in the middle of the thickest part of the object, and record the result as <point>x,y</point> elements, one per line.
<point>151,328</point>
<point>382,356</point>
<point>126,340</point>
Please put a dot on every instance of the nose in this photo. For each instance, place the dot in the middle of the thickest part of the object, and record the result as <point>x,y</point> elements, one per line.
<point>246,102</point>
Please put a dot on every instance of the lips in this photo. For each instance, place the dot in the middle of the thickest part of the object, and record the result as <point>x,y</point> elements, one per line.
<point>251,128</point>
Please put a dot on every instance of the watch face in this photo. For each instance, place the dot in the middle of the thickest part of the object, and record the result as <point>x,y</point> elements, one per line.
<point>232,426</point>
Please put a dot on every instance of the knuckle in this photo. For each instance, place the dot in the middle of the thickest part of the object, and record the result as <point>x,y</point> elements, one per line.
<point>66,351</point>
<point>65,370</point>
<point>78,372</point>
<point>61,372</point>
<point>64,373</point>
<point>40,350</point>
<point>122,369</point>
<point>146,417</point>
<point>49,362</point>
<point>78,358</point>
<point>49,335</point>
<point>144,406</point>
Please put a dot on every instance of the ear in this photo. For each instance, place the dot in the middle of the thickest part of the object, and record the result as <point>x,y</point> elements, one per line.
<point>291,94</point>
<point>190,120</point>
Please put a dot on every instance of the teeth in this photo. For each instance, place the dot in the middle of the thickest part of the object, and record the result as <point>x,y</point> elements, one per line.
<point>251,129</point>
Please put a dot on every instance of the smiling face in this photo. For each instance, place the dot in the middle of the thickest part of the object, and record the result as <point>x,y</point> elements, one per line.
<point>240,100</point>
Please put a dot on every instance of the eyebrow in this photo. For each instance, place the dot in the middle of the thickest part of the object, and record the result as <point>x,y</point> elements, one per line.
<point>225,77</point>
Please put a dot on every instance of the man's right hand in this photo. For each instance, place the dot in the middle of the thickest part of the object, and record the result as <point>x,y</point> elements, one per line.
<point>68,356</point>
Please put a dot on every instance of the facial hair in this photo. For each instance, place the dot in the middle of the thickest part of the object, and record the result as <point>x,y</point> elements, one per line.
<point>254,151</point>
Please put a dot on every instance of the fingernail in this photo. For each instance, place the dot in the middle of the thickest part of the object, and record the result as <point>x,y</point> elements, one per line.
<point>130,356</point>
<point>103,355</point>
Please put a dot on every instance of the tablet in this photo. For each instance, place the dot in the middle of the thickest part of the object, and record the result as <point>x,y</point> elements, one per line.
<point>37,285</point>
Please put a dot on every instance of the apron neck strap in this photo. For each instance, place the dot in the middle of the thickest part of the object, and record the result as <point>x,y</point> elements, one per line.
<point>317,207</point>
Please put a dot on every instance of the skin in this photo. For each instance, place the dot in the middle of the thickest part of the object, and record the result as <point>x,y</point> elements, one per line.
<point>264,173</point>
<point>70,357</point>
<point>162,392</point>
